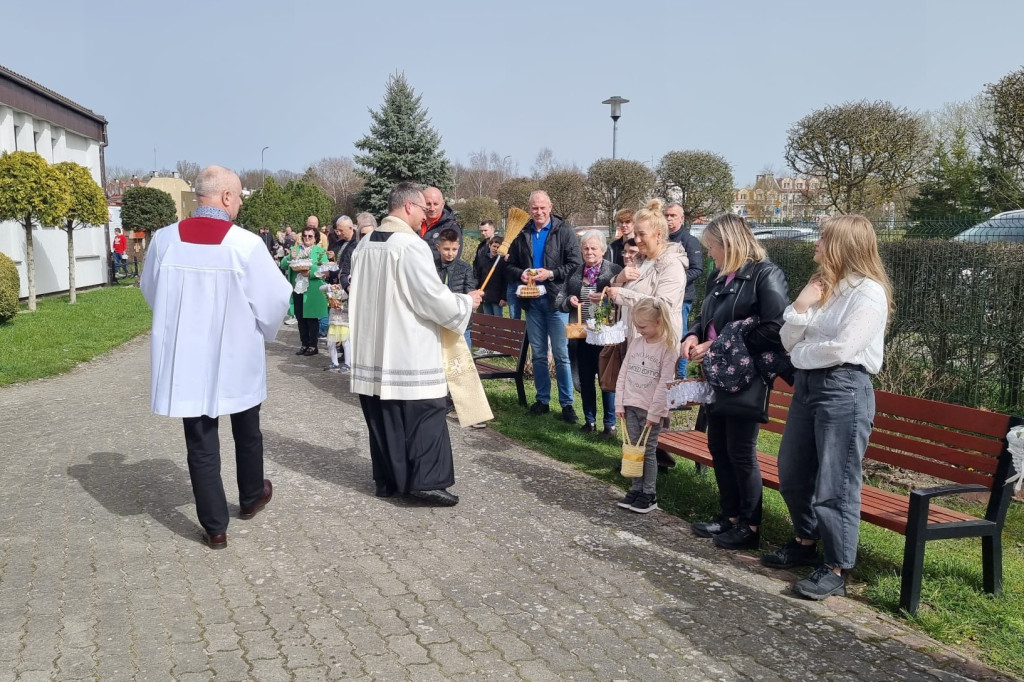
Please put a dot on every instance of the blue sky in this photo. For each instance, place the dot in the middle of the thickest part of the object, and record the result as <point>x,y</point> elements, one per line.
<point>216,81</point>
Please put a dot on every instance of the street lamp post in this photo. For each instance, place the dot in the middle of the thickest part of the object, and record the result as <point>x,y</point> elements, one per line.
<point>616,103</point>
<point>263,175</point>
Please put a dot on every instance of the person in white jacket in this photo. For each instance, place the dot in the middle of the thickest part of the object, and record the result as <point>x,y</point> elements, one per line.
<point>217,297</point>
<point>397,309</point>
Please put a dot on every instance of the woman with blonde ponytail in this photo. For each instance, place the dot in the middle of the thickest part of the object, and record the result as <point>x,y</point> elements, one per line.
<point>835,333</point>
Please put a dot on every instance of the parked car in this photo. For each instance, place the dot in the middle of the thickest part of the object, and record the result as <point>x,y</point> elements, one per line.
<point>803,234</point>
<point>1003,227</point>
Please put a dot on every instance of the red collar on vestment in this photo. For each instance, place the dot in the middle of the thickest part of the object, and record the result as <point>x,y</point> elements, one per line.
<point>203,230</point>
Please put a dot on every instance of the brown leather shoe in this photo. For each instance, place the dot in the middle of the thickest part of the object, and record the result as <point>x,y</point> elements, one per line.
<point>216,541</point>
<point>268,492</point>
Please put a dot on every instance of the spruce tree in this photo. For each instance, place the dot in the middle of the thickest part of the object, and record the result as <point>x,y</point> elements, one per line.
<point>402,145</point>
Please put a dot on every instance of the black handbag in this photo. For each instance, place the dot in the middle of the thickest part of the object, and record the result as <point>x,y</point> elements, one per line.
<point>750,404</point>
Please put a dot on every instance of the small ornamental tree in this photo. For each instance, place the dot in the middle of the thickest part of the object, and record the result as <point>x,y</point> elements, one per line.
<point>618,183</point>
<point>88,206</point>
<point>702,180</point>
<point>32,193</point>
<point>144,209</point>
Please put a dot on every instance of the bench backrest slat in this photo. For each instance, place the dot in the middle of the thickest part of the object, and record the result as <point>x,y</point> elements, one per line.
<point>950,442</point>
<point>500,334</point>
<point>968,419</point>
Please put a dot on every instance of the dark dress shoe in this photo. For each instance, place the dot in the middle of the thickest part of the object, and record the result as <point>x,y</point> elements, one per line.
<point>609,432</point>
<point>215,541</point>
<point>268,492</point>
<point>709,529</point>
<point>588,428</point>
<point>301,351</point>
<point>438,498</point>
<point>311,351</point>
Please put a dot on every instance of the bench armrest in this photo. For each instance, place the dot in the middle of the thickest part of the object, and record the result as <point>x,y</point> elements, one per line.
<point>945,490</point>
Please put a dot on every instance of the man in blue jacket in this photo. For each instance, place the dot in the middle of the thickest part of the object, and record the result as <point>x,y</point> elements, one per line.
<point>548,249</point>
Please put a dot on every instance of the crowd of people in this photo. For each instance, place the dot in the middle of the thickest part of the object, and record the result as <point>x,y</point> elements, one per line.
<point>381,297</point>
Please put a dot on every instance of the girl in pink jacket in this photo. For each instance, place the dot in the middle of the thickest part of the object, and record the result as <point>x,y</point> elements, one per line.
<point>640,392</point>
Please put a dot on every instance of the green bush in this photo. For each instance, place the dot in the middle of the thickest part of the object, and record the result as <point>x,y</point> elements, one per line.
<point>10,285</point>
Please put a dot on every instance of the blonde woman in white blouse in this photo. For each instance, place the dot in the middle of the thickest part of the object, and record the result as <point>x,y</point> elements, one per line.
<point>834,332</point>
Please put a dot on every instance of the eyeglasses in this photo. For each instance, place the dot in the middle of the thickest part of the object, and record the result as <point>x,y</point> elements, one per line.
<point>422,208</point>
<point>309,236</point>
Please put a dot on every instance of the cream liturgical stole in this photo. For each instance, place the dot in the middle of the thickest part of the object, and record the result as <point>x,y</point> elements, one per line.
<point>463,380</point>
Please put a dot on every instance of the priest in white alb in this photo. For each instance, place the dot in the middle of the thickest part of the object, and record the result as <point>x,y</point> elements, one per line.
<point>217,297</point>
<point>398,311</point>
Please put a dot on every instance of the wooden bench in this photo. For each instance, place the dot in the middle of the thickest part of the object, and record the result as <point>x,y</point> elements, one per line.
<point>963,446</point>
<point>503,338</point>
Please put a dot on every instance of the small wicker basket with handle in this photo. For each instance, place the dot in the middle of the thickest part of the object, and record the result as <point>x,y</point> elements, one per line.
<point>633,453</point>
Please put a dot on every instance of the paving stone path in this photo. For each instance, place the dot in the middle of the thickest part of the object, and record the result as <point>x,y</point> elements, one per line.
<point>536,575</point>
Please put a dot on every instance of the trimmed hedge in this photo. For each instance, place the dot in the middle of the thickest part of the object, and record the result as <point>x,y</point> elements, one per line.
<point>10,286</point>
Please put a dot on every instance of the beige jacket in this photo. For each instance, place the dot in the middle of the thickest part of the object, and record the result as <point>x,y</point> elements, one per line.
<point>663,279</point>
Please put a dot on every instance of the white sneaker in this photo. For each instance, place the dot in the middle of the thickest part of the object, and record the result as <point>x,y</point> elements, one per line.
<point>289,320</point>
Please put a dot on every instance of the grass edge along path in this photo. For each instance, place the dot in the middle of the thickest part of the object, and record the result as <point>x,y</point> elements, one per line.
<point>58,336</point>
<point>954,608</point>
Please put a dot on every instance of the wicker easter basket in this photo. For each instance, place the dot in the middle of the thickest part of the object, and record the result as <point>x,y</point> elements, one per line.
<point>633,453</point>
<point>576,330</point>
<point>688,392</point>
<point>530,289</point>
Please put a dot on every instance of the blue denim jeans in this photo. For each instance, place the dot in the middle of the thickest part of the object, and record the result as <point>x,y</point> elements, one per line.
<point>542,321</point>
<point>681,365</point>
<point>515,309</point>
<point>826,434</point>
<point>490,309</point>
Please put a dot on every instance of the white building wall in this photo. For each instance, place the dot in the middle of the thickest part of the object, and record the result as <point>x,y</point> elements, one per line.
<point>20,132</point>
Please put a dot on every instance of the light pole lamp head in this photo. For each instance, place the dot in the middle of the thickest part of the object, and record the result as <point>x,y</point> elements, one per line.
<point>616,102</point>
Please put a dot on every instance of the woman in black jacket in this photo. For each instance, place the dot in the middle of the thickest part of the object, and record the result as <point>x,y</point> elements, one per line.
<point>744,283</point>
<point>591,276</point>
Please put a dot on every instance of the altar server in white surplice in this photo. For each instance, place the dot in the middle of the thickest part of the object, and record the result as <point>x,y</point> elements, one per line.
<point>397,308</point>
<point>217,298</point>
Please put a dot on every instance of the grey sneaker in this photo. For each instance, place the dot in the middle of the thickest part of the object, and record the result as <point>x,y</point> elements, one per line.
<point>627,501</point>
<point>793,553</point>
<point>644,503</point>
<point>821,584</point>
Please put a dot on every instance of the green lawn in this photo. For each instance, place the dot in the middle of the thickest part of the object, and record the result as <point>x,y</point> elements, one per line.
<point>954,609</point>
<point>58,336</point>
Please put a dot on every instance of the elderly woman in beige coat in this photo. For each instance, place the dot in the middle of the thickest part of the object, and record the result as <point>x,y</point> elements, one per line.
<point>658,271</point>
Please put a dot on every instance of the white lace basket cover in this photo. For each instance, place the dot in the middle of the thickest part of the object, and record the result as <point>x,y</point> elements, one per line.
<point>1015,444</point>
<point>605,336</point>
<point>688,392</point>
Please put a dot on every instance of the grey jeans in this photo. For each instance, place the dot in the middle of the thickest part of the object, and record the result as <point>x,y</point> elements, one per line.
<point>636,419</point>
<point>826,434</point>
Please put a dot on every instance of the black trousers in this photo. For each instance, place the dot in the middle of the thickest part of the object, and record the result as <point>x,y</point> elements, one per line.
<point>409,444</point>
<point>203,443</point>
<point>309,329</point>
<point>733,446</point>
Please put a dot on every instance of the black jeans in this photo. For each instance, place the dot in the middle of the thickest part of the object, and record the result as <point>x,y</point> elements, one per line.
<point>203,444</point>
<point>309,329</point>
<point>733,446</point>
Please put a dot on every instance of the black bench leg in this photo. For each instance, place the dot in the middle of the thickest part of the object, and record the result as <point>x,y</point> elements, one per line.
<point>992,563</point>
<point>913,566</point>
<point>521,389</point>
